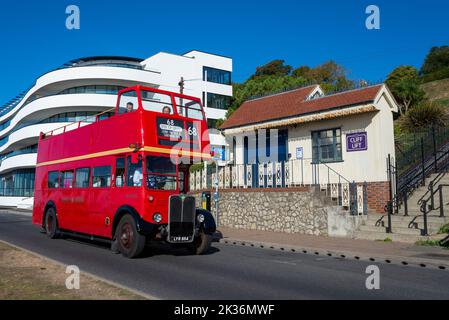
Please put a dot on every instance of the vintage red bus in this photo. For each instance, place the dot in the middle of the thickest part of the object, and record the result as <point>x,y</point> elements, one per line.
<point>124,179</point>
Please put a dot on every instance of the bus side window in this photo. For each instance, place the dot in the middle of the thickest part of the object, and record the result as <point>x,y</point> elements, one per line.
<point>67,180</point>
<point>53,180</point>
<point>156,102</point>
<point>101,177</point>
<point>82,178</point>
<point>120,172</point>
<point>135,175</point>
<point>128,102</point>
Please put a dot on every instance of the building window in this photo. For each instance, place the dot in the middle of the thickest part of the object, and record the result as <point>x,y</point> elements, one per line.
<point>212,123</point>
<point>4,141</point>
<point>19,183</point>
<point>326,146</point>
<point>218,101</point>
<point>216,75</point>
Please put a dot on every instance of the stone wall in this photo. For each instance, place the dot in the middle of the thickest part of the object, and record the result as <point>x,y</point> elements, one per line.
<point>297,210</point>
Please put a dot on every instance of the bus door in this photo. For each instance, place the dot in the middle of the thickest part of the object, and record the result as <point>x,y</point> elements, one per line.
<point>101,208</point>
<point>66,215</point>
<point>81,200</point>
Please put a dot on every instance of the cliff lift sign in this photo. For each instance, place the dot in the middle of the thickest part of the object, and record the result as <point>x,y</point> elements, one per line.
<point>357,142</point>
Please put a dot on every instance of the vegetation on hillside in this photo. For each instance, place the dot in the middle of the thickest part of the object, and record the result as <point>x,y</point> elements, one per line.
<point>436,65</point>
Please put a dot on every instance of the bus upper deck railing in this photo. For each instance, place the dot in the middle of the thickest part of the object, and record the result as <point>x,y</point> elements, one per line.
<point>77,124</point>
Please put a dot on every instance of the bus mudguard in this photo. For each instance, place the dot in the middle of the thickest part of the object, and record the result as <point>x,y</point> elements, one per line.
<point>209,226</point>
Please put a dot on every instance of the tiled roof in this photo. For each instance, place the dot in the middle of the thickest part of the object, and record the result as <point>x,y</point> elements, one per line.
<point>294,103</point>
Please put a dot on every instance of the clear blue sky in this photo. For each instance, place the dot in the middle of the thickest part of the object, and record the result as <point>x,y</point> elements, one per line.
<point>34,39</point>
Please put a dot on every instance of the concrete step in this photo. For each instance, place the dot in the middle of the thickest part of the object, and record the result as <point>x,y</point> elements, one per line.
<point>398,230</point>
<point>406,238</point>
<point>432,218</point>
<point>433,223</point>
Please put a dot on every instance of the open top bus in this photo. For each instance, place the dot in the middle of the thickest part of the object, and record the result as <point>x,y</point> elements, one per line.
<point>124,178</point>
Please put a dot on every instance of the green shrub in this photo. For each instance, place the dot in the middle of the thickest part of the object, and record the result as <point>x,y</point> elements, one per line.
<point>444,229</point>
<point>423,116</point>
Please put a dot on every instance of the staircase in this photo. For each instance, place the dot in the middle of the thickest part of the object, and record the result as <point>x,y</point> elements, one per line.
<point>420,207</point>
<point>411,228</point>
<point>404,229</point>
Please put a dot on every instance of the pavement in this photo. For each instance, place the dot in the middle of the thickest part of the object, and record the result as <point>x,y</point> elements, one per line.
<point>388,252</point>
<point>230,272</point>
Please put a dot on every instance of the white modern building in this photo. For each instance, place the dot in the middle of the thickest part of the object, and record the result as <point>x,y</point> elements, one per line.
<point>88,86</point>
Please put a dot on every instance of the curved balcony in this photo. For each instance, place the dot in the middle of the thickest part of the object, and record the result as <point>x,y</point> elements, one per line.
<point>29,134</point>
<point>21,161</point>
<point>121,74</point>
<point>67,103</point>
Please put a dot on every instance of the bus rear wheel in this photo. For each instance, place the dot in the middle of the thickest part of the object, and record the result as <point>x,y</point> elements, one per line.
<point>130,242</point>
<point>51,224</point>
<point>201,244</point>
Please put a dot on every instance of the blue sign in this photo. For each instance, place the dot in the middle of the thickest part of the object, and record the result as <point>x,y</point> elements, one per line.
<point>219,153</point>
<point>357,142</point>
<point>299,153</point>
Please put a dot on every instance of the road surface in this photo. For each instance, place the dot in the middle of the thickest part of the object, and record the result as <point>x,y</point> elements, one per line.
<point>230,272</point>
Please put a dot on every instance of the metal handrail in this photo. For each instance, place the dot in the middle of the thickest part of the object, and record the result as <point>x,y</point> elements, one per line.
<point>424,207</point>
<point>418,179</point>
<point>338,174</point>
<point>79,122</point>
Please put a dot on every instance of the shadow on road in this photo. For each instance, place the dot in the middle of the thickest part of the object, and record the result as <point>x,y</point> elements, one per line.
<point>152,249</point>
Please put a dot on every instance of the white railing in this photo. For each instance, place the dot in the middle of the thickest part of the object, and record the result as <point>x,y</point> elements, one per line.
<point>288,174</point>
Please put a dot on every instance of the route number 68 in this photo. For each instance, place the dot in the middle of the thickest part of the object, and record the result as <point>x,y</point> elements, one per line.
<point>193,131</point>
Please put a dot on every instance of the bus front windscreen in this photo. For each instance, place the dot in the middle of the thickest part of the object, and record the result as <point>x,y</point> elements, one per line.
<point>161,173</point>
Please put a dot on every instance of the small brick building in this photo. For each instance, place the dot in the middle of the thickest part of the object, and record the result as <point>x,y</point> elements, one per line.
<point>319,138</point>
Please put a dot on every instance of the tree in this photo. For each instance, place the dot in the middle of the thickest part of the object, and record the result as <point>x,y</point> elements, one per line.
<point>404,84</point>
<point>330,75</point>
<point>273,68</point>
<point>408,93</point>
<point>400,73</point>
<point>301,72</point>
<point>436,60</point>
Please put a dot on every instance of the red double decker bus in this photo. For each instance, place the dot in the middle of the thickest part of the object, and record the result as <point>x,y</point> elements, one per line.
<point>124,179</point>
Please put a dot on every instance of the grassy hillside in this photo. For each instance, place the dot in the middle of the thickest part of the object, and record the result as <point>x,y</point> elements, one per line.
<point>438,91</point>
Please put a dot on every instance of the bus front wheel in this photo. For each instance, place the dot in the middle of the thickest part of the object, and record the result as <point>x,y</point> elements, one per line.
<point>130,242</point>
<point>201,244</point>
<point>51,224</point>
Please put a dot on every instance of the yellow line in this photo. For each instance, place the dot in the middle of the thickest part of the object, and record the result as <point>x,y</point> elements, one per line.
<point>124,150</point>
<point>177,152</point>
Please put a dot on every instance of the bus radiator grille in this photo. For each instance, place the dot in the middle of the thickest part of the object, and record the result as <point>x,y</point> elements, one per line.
<point>181,219</point>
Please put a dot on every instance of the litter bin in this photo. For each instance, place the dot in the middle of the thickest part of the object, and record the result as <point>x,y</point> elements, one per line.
<point>206,201</point>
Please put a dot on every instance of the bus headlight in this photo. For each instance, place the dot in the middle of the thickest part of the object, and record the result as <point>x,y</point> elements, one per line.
<point>201,218</point>
<point>157,217</point>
